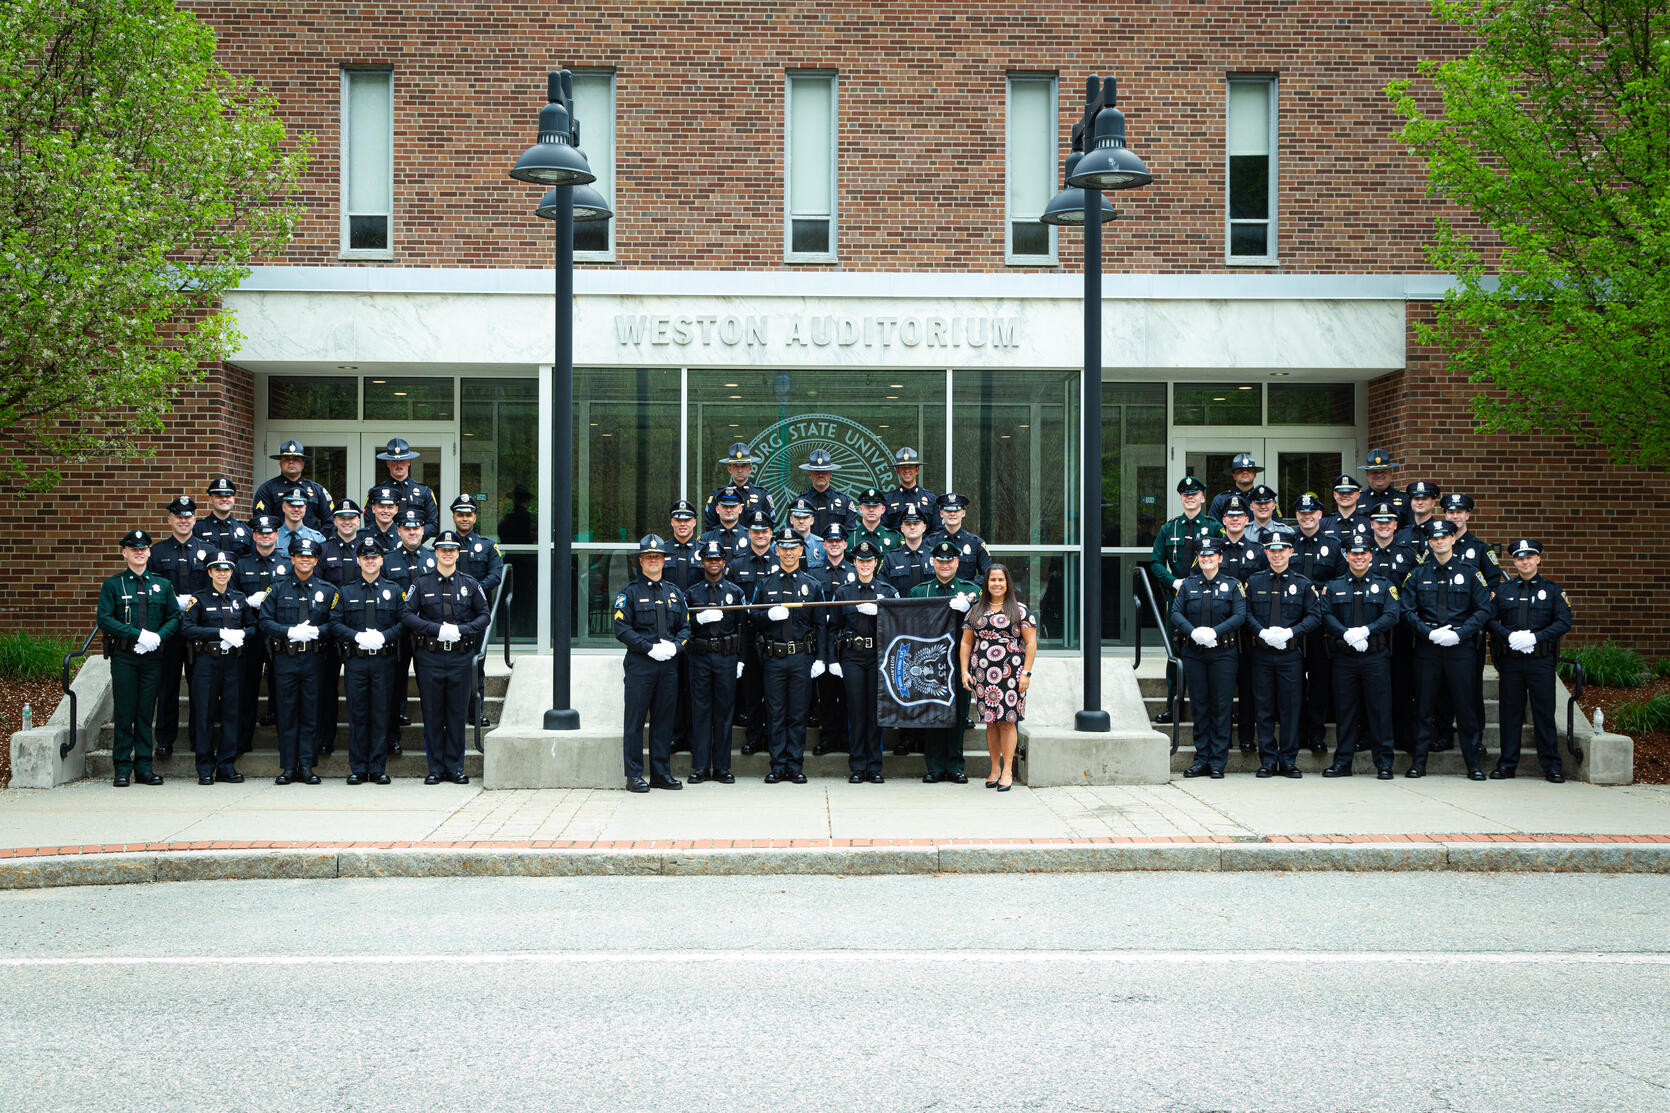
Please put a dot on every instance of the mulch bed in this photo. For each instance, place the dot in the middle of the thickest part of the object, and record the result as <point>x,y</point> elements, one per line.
<point>42,697</point>
<point>1652,748</point>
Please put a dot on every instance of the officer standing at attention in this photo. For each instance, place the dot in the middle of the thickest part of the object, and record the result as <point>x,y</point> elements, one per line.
<point>829,506</point>
<point>294,506</point>
<point>801,517</point>
<point>683,567</point>
<point>337,554</point>
<point>1423,499</point>
<point>1392,560</point>
<point>1352,516</point>
<point>1530,617</point>
<point>136,615</point>
<point>446,615</point>
<point>1264,522</point>
<point>942,747</point>
<point>1173,559</point>
<point>1448,603</point>
<point>852,639</point>
<point>292,460</point>
<point>715,653</point>
<point>481,559</point>
<point>181,558</point>
<point>791,637</point>
<point>215,629</point>
<point>1317,557</point>
<point>746,570</point>
<point>731,534</point>
<point>872,507</point>
<point>829,699</point>
<point>1207,614</point>
<point>254,576</point>
<point>1471,549</point>
<point>366,624</point>
<point>1378,466</point>
<point>652,622</point>
<point>907,466</point>
<point>223,532</point>
<point>404,565</point>
<point>1242,558</point>
<point>739,462</point>
<point>1243,470</point>
<point>1282,607</point>
<point>1360,610</point>
<point>293,617</point>
<point>384,505</point>
<point>973,558</point>
<point>910,561</point>
<point>398,456</point>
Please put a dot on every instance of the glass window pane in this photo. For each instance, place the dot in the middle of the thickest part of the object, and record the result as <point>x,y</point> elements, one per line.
<point>305,398</point>
<point>426,399</point>
<point>498,459</point>
<point>1014,435</point>
<point>811,147</point>
<point>592,235</point>
<point>369,115</point>
<point>1312,404</point>
<point>594,110</point>
<point>626,440</point>
<point>1133,463</point>
<point>1217,404</point>
<point>1249,118</point>
<point>1249,187</point>
<point>1299,472</point>
<point>329,469</point>
<point>1032,143</point>
<point>1029,238</point>
<point>368,233</point>
<point>810,236</point>
<point>1249,239</point>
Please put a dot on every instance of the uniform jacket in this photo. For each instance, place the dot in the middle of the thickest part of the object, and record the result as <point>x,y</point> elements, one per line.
<point>1317,557</point>
<point>1343,526</point>
<point>830,506</point>
<point>904,567</point>
<point>780,587</point>
<point>337,562</point>
<point>318,513</point>
<point>973,558</point>
<point>1297,600</point>
<point>1463,587</point>
<point>733,539</point>
<point>256,573</point>
<point>292,602</point>
<point>1242,558</point>
<point>403,565</point>
<point>362,606</point>
<point>648,611</point>
<point>423,613</point>
<point>183,564</point>
<point>832,576</point>
<point>1472,549</point>
<point>480,557</point>
<point>754,497</point>
<point>725,593</point>
<point>925,501</point>
<point>214,612</point>
<point>1393,562</point>
<point>227,534</point>
<point>1220,603</point>
<point>1537,605</point>
<point>1174,546</point>
<point>414,496</point>
<point>118,616</point>
<point>748,568</point>
<point>881,537</point>
<point>1382,608</point>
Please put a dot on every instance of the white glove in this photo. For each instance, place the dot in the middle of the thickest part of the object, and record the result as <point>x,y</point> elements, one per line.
<point>1522,640</point>
<point>1270,638</point>
<point>303,632</point>
<point>866,608</point>
<point>1357,634</point>
<point>363,640</point>
<point>1203,635</point>
<point>1285,633</point>
<point>184,602</point>
<point>662,650</point>
<point>449,633</point>
<point>1445,636</point>
<point>740,665</point>
<point>777,614</point>
<point>147,641</point>
<point>817,669</point>
<point>835,669</point>
<point>1359,644</point>
<point>709,616</point>
<point>1211,641</point>
<point>233,639</point>
<point>256,600</point>
<point>959,603</point>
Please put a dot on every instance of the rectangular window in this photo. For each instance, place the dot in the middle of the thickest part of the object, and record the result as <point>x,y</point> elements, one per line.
<point>594,110</point>
<point>1030,167</point>
<point>1217,404</point>
<point>1313,404</point>
<point>367,163</point>
<point>310,398</point>
<point>1250,202</point>
<point>809,224</point>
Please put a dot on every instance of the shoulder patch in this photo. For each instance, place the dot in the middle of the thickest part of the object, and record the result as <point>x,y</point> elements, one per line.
<point>1479,576</point>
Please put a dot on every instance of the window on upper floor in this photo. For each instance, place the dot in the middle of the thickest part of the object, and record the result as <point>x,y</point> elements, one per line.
<point>367,164</point>
<point>1250,200</point>
<point>809,178</point>
<point>1030,168</point>
<point>594,109</point>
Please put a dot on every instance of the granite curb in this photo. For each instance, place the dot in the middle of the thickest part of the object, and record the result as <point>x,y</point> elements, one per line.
<point>156,865</point>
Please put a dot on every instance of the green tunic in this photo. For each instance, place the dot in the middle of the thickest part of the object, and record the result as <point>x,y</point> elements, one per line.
<point>881,537</point>
<point>942,748</point>
<point>1174,547</point>
<point>134,676</point>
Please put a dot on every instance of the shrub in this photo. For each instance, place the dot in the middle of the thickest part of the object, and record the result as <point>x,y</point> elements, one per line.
<point>1661,667</point>
<point>26,657</point>
<point>1610,666</point>
<point>1641,715</point>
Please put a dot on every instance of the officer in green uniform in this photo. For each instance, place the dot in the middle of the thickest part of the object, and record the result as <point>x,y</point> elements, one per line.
<point>1174,557</point>
<point>942,747</point>
<point>137,613</point>
<point>872,506</point>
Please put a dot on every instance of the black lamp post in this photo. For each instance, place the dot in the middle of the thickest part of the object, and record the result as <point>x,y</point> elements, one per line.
<point>1108,164</point>
<point>556,161</point>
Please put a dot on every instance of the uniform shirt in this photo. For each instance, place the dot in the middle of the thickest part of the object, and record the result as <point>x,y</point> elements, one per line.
<point>364,606</point>
<point>1537,605</point>
<point>119,610</point>
<point>433,594</point>
<point>480,557</point>
<point>811,550</point>
<point>389,538</point>
<point>1221,500</point>
<point>1317,556</point>
<point>1393,562</point>
<point>292,602</point>
<point>722,594</point>
<point>182,563</point>
<point>1296,602</point>
<point>900,498</point>
<point>227,534</point>
<point>776,588</point>
<point>214,612</point>
<point>881,537</point>
<point>830,506</point>
<point>649,611</point>
<point>414,496</point>
<point>403,565</point>
<point>1452,594</point>
<point>850,620</point>
<point>1393,497</point>
<point>1219,603</point>
<point>832,576</point>
<point>905,567</point>
<point>973,558</point>
<point>286,535</point>
<point>1470,548</point>
<point>748,568</point>
<point>1374,597</point>
<point>256,573</point>
<point>1413,534</point>
<point>1173,556</point>
<point>932,588</point>
<point>733,539</point>
<point>337,562</point>
<point>267,497</point>
<point>1274,528</point>
<point>754,497</point>
<point>1242,558</point>
<point>1343,526</point>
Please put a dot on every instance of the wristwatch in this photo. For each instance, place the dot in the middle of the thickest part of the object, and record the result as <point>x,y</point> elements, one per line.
<point>1026,672</point>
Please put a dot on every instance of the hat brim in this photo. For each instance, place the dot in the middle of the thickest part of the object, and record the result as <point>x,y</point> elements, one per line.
<point>821,467</point>
<point>742,460</point>
<point>293,455</point>
<point>396,457</point>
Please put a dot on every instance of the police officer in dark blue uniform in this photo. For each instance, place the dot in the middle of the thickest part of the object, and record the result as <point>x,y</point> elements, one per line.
<point>404,564</point>
<point>1266,521</point>
<point>481,558</point>
<point>215,630</point>
<point>852,644</point>
<point>715,652</point>
<point>397,455</point>
<point>910,562</point>
<point>973,558</point>
<point>652,622</point>
<point>1423,503</point>
<point>292,460</point>
<point>1472,549</point>
<point>829,506</point>
<point>219,528</point>
<point>338,564</point>
<point>907,467</point>
<point>1282,608</point>
<point>1317,557</point>
<point>1378,467</point>
<point>254,576</point>
<point>366,625</point>
<point>1360,610</point>
<point>383,505</point>
<point>182,559</point>
<point>445,615</point>
<point>293,618</point>
<point>1531,615</point>
<point>829,699</point>
<point>1243,470</point>
<point>791,641</point>
<point>1242,558</point>
<point>739,462</point>
<point>1393,560</point>
<point>1351,516</point>
<point>746,569</point>
<point>1447,603</point>
<point>1207,614</point>
<point>731,532</point>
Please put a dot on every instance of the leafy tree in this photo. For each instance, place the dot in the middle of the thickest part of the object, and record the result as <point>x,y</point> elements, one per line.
<point>1555,134</point>
<point>137,180</point>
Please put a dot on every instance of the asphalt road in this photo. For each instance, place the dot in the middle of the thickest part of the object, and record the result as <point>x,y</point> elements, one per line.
<point>1175,992</point>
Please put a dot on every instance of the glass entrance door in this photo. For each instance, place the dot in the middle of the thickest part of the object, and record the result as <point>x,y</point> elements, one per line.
<point>1292,465</point>
<point>331,464</point>
<point>436,466</point>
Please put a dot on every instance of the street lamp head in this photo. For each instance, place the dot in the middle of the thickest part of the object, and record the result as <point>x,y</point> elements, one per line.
<point>589,205</point>
<point>554,160</point>
<point>1067,206</point>
<point>1109,164</point>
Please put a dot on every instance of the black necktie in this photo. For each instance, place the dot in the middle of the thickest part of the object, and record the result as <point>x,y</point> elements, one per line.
<point>660,612</point>
<point>1357,604</point>
<point>140,612</point>
<point>1275,601</point>
<point>1443,596</point>
<point>1524,606</point>
<point>446,599</point>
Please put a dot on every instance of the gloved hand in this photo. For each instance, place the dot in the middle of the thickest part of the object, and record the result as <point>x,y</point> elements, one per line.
<point>377,639</point>
<point>709,616</point>
<point>835,669</point>
<point>449,633</point>
<point>233,638</point>
<point>1359,644</point>
<point>866,608</point>
<point>777,614</point>
<point>740,665</point>
<point>226,642</point>
<point>363,639</point>
<point>184,602</point>
<point>1445,636</point>
<point>147,641</point>
<point>1211,641</point>
<point>1357,634</point>
<point>662,651</point>
<point>303,632</point>
<point>256,600</point>
<point>1285,633</point>
<point>1270,638</point>
<point>1203,635</point>
<point>817,669</point>
<point>959,603</point>
<point>1522,640</point>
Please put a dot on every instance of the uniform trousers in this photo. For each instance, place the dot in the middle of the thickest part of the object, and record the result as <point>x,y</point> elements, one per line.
<point>330,683</point>
<point>445,681</point>
<point>216,684</point>
<point>366,682</point>
<point>1211,688</point>
<point>1404,711</point>
<point>134,680</point>
<point>1451,671</point>
<point>398,699</point>
<point>859,679</point>
<point>787,693</point>
<point>942,747</point>
<point>750,697</point>
<point>1529,678</point>
<point>172,655</point>
<point>1363,714</point>
<point>682,716</point>
<point>1246,704</point>
<point>297,679</point>
<point>254,660</point>
<point>712,703</point>
<point>1318,690</point>
<point>830,695</point>
<point>1278,694</point>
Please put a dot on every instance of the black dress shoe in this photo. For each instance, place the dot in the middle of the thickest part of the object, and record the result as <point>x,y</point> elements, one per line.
<point>165,752</point>
<point>395,750</point>
<point>484,721</point>
<point>1337,771</point>
<point>725,778</point>
<point>774,777</point>
<point>267,720</point>
<point>404,720</point>
<point>1291,772</point>
<point>205,779</point>
<point>1319,747</point>
<point>697,776</point>
<point>152,778</point>
<point>1441,745</point>
<point>309,778</point>
<point>232,778</point>
<point>957,778</point>
<point>1500,774</point>
<point>636,784</point>
<point>355,779</point>
<point>748,748</point>
<point>119,781</point>
<point>1383,775</point>
<point>877,778</point>
<point>1555,777</point>
<point>1216,775</point>
<point>380,778</point>
<point>930,778</point>
<point>432,779</point>
<point>819,750</point>
<point>282,779</point>
<point>1249,747</point>
<point>1475,774</point>
<point>1164,717</point>
<point>1415,771</point>
<point>1198,769</point>
<point>670,783</point>
<point>901,750</point>
<point>856,779</point>
<point>1265,771</point>
<point>461,778</point>
<point>798,778</point>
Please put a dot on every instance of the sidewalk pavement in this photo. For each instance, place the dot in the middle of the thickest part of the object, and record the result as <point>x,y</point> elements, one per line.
<point>91,833</point>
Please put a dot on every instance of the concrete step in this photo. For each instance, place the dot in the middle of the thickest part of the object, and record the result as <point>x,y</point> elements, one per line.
<point>264,764</point>
<point>1447,763</point>
<point>1154,687</point>
<point>496,687</point>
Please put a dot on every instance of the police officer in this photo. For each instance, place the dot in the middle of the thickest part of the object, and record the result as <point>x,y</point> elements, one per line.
<point>1173,559</point>
<point>293,507</point>
<point>1317,557</point>
<point>1350,516</point>
<point>739,462</point>
<point>1265,522</point>
<point>684,561</point>
<point>337,555</point>
<point>942,747</point>
<point>791,637</point>
<point>1393,560</point>
<point>182,559</point>
<point>1243,557</point>
<point>254,576</point>
<point>398,456</point>
<point>1423,500</point>
<point>1360,611</point>
<point>1282,608</point>
<point>829,506</point>
<point>1378,467</point>
<point>731,534</point>
<point>445,615</point>
<point>1447,603</point>
<point>404,565</point>
<point>852,640</point>
<point>715,653</point>
<point>1209,610</point>
<point>1530,616</point>
<point>746,570</point>
<point>292,460</point>
<point>907,466</point>
<point>829,700</point>
<point>652,622</point>
<point>215,629</point>
<point>973,558</point>
<point>293,618</point>
<point>137,614</point>
<point>223,532</point>
<point>872,508</point>
<point>910,562</point>
<point>384,504</point>
<point>1243,470</point>
<point>1472,549</point>
<point>801,517</point>
<point>365,622</point>
<point>481,559</point>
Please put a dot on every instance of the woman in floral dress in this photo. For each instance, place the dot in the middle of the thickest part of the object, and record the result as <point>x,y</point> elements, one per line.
<point>1000,639</point>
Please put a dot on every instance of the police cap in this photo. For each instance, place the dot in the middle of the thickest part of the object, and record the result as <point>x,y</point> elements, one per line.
<point>801,509</point>
<point>787,538</point>
<point>1277,542</point>
<point>346,508</point>
<point>759,519</point>
<point>864,550</point>
<point>1383,512</point>
<point>1262,493</point>
<point>411,516</point>
<point>1243,461</point>
<point>819,460</point>
<point>294,496</point>
<point>220,560</point>
<point>835,532</point>
<point>950,500</point>
<point>397,449</point>
<point>911,514</point>
<point>1378,459</point>
<point>465,504</point>
<point>1525,546</point>
<point>136,539</point>
<point>730,495</point>
<point>682,510</point>
<point>712,550</point>
<point>869,496</point>
<point>1358,543</point>
<point>447,539</point>
<point>1421,489</point>
<point>383,496</point>
<point>1210,546</point>
<point>1307,503</point>
<point>906,458</point>
<point>650,544</point>
<point>1439,527</point>
<point>1347,483</point>
<point>367,547</point>
<point>263,523</point>
<point>1190,485</point>
<point>944,551</point>
<point>292,448</point>
<point>220,485</point>
<point>739,454</point>
<point>182,506</point>
<point>1454,501</point>
<point>303,547</point>
<point>1235,505</point>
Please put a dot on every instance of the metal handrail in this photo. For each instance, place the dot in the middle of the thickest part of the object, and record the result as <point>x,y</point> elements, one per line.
<point>502,594</point>
<point>65,748</point>
<point>1571,705</point>
<point>1142,594</point>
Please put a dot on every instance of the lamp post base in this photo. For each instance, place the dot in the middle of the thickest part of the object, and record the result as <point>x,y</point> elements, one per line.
<point>566,718</point>
<point>1087,721</point>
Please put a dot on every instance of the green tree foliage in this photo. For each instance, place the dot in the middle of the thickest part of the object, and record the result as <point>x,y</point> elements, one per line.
<point>1555,133</point>
<point>137,180</point>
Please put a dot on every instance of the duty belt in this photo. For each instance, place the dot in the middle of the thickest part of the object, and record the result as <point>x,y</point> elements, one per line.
<point>730,643</point>
<point>853,641</point>
<point>785,649</point>
<point>352,649</point>
<point>1376,643</point>
<point>215,649</point>
<point>290,648</point>
<point>436,645</point>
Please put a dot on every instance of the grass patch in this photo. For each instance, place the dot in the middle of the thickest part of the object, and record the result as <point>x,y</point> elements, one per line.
<point>1661,667</point>
<point>1610,666</point>
<point>23,656</point>
<point>1638,716</point>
